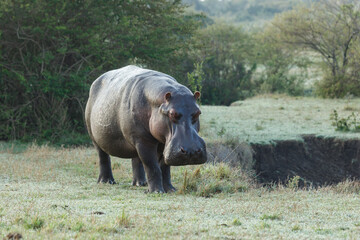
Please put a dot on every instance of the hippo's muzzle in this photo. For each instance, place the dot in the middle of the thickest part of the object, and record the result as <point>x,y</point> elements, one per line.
<point>185,149</point>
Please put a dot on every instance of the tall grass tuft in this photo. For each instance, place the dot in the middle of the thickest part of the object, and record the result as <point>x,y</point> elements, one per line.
<point>208,180</point>
<point>35,223</point>
<point>123,220</point>
<point>348,186</point>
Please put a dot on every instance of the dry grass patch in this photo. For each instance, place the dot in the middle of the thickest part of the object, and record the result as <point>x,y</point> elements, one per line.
<point>208,180</point>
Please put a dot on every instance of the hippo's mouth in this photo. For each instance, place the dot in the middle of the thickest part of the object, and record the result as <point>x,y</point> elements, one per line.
<point>181,159</point>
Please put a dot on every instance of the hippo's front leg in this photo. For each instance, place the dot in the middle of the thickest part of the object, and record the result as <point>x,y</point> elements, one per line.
<point>148,155</point>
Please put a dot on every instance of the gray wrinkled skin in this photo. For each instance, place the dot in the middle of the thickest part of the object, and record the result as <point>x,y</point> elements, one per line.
<point>147,116</point>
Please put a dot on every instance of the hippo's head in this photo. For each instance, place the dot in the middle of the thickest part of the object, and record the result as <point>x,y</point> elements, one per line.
<point>179,116</point>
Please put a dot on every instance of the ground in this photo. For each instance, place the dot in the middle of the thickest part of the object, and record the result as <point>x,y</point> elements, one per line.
<point>51,193</point>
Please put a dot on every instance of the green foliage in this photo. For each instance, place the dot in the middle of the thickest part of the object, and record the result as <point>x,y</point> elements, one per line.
<point>331,30</point>
<point>296,228</point>
<point>243,10</point>
<point>34,223</point>
<point>350,123</point>
<point>224,51</point>
<point>196,77</point>
<point>236,222</point>
<point>270,217</point>
<point>78,227</point>
<point>282,69</point>
<point>51,51</point>
<point>338,86</point>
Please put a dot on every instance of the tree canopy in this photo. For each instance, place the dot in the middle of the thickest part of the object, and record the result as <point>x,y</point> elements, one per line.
<point>50,52</point>
<point>331,29</point>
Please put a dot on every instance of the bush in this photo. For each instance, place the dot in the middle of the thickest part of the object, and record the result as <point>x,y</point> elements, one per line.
<point>350,123</point>
<point>338,86</point>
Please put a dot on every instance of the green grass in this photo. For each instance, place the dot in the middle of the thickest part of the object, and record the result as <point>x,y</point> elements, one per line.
<point>273,117</point>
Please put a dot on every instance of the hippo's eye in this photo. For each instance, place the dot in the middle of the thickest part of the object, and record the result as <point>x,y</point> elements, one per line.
<point>195,116</point>
<point>174,116</point>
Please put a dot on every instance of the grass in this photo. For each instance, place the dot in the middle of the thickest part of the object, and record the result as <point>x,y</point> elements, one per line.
<point>51,193</point>
<point>273,117</point>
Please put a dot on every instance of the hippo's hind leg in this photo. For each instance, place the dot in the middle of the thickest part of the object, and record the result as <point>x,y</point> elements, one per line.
<point>165,170</point>
<point>139,178</point>
<point>105,175</point>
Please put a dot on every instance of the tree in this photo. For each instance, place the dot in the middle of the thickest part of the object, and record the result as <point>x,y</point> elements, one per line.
<point>276,62</point>
<point>330,28</point>
<point>51,51</point>
<point>224,51</point>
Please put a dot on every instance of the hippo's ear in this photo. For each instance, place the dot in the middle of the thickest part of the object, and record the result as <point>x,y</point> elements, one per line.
<point>197,95</point>
<point>167,96</point>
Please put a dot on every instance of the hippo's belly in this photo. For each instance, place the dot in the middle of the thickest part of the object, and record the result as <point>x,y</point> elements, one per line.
<point>113,144</point>
<point>107,133</point>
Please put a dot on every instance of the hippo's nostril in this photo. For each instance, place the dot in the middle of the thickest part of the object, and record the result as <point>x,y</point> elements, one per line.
<point>183,150</point>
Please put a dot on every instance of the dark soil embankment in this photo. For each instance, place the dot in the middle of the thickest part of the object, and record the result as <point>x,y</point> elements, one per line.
<point>317,160</point>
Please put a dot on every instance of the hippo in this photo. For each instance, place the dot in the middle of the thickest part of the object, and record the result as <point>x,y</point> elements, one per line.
<point>149,117</point>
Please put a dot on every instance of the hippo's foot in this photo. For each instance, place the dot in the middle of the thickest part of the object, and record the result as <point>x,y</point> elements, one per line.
<point>109,180</point>
<point>155,189</point>
<point>139,183</point>
<point>169,188</point>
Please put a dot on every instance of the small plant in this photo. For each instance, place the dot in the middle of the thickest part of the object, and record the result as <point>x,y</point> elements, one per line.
<point>223,171</point>
<point>295,228</point>
<point>210,189</point>
<point>350,123</point>
<point>123,220</point>
<point>78,227</point>
<point>264,225</point>
<point>34,223</point>
<point>196,77</point>
<point>259,127</point>
<point>190,182</point>
<point>236,222</point>
<point>221,132</point>
<point>270,217</point>
<point>116,165</point>
<point>294,182</point>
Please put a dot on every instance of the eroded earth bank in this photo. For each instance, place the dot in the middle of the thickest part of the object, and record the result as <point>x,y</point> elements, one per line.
<point>316,160</point>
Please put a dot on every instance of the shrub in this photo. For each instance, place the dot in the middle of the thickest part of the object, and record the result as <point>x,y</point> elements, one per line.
<point>350,123</point>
